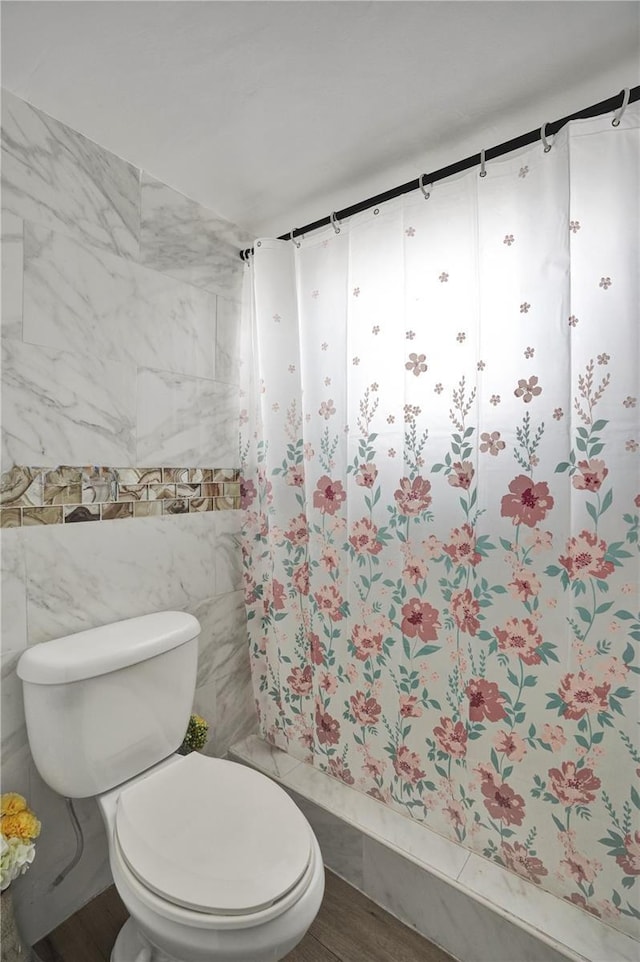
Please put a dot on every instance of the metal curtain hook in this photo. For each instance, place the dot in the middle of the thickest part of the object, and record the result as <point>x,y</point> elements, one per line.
<point>483,172</point>
<point>426,193</point>
<point>291,237</point>
<point>621,109</point>
<point>543,138</point>
<point>334,222</point>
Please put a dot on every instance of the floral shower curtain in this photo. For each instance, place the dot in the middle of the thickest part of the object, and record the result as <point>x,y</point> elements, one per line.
<point>442,498</point>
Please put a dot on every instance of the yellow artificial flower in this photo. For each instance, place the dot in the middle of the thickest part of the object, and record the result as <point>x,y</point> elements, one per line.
<point>11,803</point>
<point>22,825</point>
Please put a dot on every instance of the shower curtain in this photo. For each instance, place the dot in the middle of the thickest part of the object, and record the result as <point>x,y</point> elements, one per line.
<point>441,494</point>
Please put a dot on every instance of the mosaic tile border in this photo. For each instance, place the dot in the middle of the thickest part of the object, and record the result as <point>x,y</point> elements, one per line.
<point>68,494</point>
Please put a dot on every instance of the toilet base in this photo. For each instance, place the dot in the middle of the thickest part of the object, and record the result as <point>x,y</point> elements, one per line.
<point>131,946</point>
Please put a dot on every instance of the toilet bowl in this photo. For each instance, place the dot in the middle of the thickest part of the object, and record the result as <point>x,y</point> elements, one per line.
<point>213,860</point>
<point>252,892</point>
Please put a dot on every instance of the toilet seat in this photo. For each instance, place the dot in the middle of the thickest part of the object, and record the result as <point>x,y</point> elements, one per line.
<point>212,836</point>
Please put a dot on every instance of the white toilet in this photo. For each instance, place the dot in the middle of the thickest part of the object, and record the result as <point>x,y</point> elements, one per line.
<point>213,860</point>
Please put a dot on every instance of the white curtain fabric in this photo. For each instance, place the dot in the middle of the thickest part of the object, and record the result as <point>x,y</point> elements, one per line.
<point>440,459</point>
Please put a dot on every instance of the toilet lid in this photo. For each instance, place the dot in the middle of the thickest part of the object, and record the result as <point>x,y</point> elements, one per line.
<point>213,836</point>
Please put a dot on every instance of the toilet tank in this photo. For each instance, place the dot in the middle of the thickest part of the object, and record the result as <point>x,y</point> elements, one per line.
<point>104,705</point>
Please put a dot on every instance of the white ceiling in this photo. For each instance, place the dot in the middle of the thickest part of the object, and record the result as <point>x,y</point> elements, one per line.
<point>275,113</point>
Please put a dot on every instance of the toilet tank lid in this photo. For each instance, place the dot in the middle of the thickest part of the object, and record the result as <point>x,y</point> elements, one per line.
<point>98,651</point>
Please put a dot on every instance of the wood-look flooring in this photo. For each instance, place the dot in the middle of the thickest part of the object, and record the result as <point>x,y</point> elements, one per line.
<point>348,928</point>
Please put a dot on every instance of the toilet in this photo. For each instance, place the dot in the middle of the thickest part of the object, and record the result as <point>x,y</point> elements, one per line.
<point>213,860</point>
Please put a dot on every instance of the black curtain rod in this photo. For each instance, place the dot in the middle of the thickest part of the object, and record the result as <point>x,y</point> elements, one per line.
<point>490,154</point>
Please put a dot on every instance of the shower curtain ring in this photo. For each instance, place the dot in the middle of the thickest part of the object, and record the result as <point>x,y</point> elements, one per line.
<point>483,172</point>
<point>335,221</point>
<point>291,237</point>
<point>543,138</point>
<point>426,193</point>
<point>621,109</point>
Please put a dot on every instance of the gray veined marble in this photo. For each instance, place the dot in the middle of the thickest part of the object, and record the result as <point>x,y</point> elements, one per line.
<point>227,703</point>
<point>41,907</point>
<point>93,302</point>
<point>59,407</point>
<point>11,283</point>
<point>181,237</point>
<point>13,725</point>
<point>186,420</point>
<point>340,843</point>
<point>14,776</point>
<point>84,575</point>
<point>223,643</point>
<point>14,593</point>
<point>566,924</point>
<point>54,176</point>
<point>228,551</point>
<point>462,925</point>
<point>258,753</point>
<point>228,340</point>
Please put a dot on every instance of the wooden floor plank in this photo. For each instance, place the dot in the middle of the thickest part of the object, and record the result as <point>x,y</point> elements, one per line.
<point>349,928</point>
<point>355,929</point>
<point>45,950</point>
<point>310,950</point>
<point>68,943</point>
<point>101,924</point>
<point>88,936</point>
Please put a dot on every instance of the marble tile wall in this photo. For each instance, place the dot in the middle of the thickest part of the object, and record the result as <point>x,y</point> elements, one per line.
<point>471,907</point>
<point>120,314</point>
<point>187,241</point>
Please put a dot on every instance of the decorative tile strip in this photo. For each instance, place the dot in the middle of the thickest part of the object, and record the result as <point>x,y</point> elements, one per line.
<point>71,494</point>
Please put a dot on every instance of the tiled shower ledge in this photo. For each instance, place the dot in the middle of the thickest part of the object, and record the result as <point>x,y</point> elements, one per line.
<point>470,906</point>
<point>68,494</point>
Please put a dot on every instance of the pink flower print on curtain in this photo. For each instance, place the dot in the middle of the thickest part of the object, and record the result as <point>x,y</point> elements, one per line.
<point>441,560</point>
<point>527,503</point>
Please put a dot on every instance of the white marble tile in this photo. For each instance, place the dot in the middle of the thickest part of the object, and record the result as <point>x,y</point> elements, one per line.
<point>11,281</point>
<point>84,575</point>
<point>204,704</point>
<point>235,710</point>
<point>54,176</point>
<point>59,407</point>
<point>15,772</point>
<point>460,924</point>
<point>42,906</point>
<point>412,839</point>
<point>228,551</point>
<point>443,857</point>
<point>328,792</point>
<point>13,725</point>
<point>186,420</point>
<point>223,643</point>
<point>181,237</point>
<point>95,303</point>
<point>228,341</point>
<point>582,933</point>
<point>14,592</point>
<point>340,843</point>
<point>269,760</point>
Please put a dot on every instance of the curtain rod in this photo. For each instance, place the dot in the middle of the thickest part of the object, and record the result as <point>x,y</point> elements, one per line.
<point>490,154</point>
